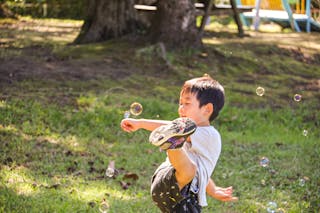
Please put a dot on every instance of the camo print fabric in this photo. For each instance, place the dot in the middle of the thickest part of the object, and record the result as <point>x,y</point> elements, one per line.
<point>167,196</point>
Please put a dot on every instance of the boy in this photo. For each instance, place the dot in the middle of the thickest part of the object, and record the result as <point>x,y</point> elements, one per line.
<point>192,145</point>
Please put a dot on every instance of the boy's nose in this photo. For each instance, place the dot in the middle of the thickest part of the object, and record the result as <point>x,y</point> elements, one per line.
<point>181,109</point>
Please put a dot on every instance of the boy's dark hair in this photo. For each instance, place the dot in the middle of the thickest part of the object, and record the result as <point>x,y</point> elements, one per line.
<point>207,90</point>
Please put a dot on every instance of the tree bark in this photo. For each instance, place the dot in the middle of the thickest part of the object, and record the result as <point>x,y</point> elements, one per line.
<point>174,24</point>
<point>5,12</point>
<point>108,19</point>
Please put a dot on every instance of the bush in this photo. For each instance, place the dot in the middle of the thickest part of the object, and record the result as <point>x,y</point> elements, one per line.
<point>72,9</point>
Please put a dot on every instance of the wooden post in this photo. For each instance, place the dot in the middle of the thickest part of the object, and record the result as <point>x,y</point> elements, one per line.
<point>242,18</point>
<point>237,17</point>
<point>44,9</point>
<point>208,7</point>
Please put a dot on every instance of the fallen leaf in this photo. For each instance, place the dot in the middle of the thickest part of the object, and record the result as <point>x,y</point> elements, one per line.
<point>124,185</point>
<point>131,175</point>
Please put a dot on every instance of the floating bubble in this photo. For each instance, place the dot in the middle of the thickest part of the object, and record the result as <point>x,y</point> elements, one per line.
<point>204,55</point>
<point>260,91</point>
<point>305,132</point>
<point>206,75</point>
<point>2,104</point>
<point>264,162</point>
<point>272,207</point>
<point>208,20</point>
<point>103,207</point>
<point>110,172</point>
<point>136,108</point>
<point>272,171</point>
<point>302,182</point>
<point>224,175</point>
<point>273,189</point>
<point>297,97</point>
<point>126,114</point>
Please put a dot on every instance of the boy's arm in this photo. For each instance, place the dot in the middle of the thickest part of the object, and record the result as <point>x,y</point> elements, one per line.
<point>219,193</point>
<point>131,125</point>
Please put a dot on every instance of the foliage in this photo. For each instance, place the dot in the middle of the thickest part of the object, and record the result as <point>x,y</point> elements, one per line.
<point>72,9</point>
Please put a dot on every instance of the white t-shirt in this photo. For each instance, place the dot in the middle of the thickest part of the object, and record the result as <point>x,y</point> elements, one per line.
<point>204,150</point>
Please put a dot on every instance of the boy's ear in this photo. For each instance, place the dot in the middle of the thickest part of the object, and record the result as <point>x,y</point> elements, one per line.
<point>209,108</point>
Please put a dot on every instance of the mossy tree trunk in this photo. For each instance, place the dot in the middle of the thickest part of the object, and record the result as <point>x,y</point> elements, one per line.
<point>175,24</point>
<point>5,12</point>
<point>107,19</point>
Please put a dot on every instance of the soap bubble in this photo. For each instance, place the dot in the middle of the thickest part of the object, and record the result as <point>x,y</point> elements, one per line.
<point>103,207</point>
<point>206,75</point>
<point>272,207</point>
<point>302,182</point>
<point>208,20</point>
<point>224,175</point>
<point>260,91</point>
<point>136,108</point>
<point>126,114</point>
<point>273,189</point>
<point>297,97</point>
<point>264,162</point>
<point>110,172</point>
<point>305,132</point>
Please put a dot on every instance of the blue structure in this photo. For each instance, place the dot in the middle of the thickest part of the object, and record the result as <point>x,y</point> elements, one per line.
<point>285,18</point>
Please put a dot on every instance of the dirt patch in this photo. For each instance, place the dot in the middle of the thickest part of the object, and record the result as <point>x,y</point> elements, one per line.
<point>24,68</point>
<point>27,52</point>
<point>312,85</point>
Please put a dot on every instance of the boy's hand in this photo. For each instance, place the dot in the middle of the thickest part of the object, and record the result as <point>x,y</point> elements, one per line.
<point>220,193</point>
<point>224,194</point>
<point>129,124</point>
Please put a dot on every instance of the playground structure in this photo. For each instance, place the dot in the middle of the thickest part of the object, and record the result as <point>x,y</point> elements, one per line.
<point>206,8</point>
<point>280,12</point>
<point>243,11</point>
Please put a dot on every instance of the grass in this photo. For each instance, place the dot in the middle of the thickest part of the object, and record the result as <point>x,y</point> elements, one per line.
<point>58,134</point>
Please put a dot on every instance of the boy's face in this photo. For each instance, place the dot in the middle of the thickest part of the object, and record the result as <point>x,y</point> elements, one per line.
<point>189,107</point>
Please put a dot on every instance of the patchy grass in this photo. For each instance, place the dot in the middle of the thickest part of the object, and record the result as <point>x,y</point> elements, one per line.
<point>61,107</point>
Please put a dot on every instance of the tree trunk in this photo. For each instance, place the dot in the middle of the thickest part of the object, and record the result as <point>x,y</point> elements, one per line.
<point>175,24</point>
<point>107,19</point>
<point>5,12</point>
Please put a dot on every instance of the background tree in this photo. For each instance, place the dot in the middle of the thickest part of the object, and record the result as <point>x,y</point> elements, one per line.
<point>175,24</point>
<point>5,12</point>
<point>108,19</point>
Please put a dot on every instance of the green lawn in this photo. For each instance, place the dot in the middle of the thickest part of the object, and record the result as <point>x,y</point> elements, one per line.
<point>60,109</point>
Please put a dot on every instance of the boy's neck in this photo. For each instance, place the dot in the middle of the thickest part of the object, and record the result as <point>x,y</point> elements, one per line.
<point>204,123</point>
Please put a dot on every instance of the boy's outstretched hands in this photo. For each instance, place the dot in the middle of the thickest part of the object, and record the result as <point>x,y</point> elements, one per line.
<point>130,125</point>
<point>220,193</point>
<point>224,194</point>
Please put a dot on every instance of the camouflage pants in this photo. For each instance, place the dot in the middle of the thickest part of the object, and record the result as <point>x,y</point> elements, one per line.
<point>167,196</point>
